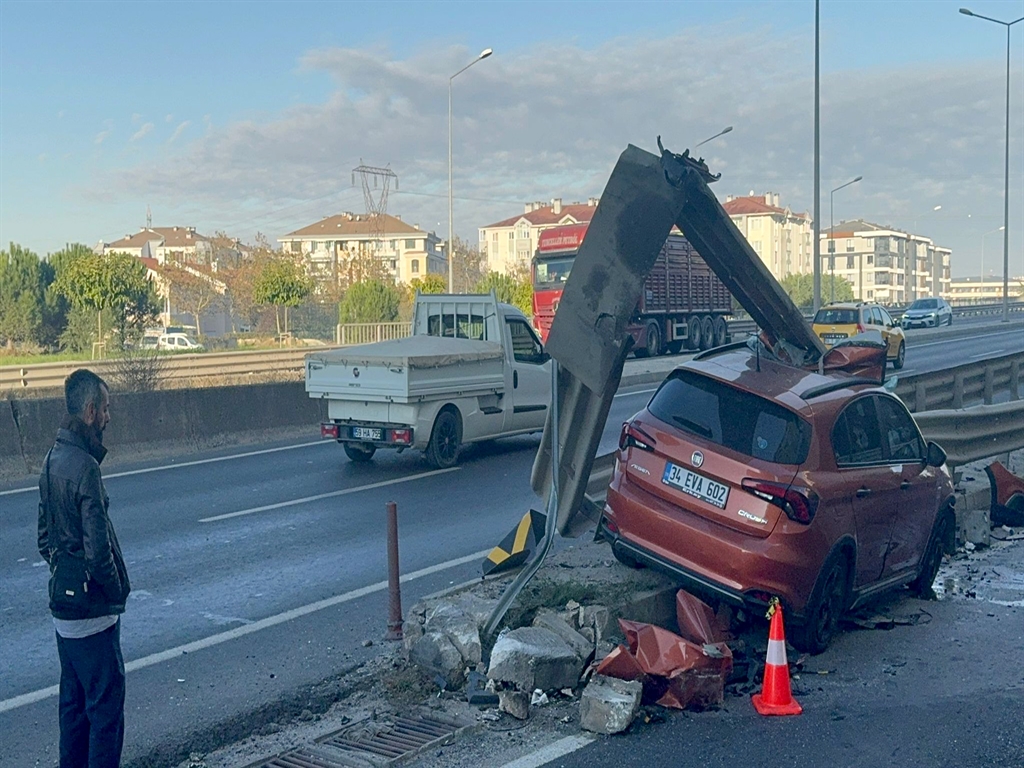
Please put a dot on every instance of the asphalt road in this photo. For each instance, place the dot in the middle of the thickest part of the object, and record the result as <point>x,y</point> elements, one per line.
<point>225,554</point>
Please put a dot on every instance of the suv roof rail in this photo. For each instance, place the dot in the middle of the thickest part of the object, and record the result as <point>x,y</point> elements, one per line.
<point>724,348</point>
<point>832,386</point>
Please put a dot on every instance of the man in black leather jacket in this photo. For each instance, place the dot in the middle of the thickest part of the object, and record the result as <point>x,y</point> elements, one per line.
<point>75,530</point>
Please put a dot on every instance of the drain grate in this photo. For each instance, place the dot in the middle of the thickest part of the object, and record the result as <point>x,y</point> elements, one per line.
<point>304,757</point>
<point>393,739</point>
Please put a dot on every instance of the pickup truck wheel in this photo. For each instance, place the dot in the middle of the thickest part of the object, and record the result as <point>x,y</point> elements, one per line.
<point>707,332</point>
<point>359,453</point>
<point>445,439</point>
<point>694,333</point>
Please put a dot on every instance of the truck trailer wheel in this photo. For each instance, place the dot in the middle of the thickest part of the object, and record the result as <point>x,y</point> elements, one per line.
<point>654,347</point>
<point>707,332</point>
<point>721,331</point>
<point>694,333</point>
<point>445,439</point>
<point>359,453</point>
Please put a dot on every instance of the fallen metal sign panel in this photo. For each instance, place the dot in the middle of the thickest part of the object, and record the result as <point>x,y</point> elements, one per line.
<point>708,227</point>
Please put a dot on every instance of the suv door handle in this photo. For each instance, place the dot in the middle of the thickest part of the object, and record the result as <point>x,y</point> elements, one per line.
<point>863,493</point>
<point>904,485</point>
<point>515,379</point>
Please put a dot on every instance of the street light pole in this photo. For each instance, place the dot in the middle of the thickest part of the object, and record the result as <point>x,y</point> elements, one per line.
<point>832,241</point>
<point>1006,165</point>
<point>816,247</point>
<point>451,227</point>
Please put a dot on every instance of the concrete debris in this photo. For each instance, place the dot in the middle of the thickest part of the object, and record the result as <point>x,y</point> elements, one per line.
<point>516,703</point>
<point>534,657</point>
<point>866,619</point>
<point>608,705</point>
<point>435,652</point>
<point>580,645</point>
<point>539,698</point>
<point>480,691</point>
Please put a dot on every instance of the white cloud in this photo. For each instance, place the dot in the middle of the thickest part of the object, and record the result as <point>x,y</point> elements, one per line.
<point>178,131</point>
<point>101,136</point>
<point>142,132</point>
<point>551,120</point>
<point>136,117</point>
<point>168,118</point>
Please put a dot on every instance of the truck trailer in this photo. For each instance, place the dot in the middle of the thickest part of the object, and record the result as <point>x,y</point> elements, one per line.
<point>683,302</point>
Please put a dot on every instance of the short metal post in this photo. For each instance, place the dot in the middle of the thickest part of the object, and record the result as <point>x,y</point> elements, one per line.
<point>394,588</point>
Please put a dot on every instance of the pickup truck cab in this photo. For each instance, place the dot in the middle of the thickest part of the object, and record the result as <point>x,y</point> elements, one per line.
<point>472,370</point>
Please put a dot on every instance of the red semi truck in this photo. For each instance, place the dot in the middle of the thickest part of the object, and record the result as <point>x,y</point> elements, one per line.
<point>683,302</point>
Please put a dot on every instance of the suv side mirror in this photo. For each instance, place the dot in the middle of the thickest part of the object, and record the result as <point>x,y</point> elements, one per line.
<point>935,457</point>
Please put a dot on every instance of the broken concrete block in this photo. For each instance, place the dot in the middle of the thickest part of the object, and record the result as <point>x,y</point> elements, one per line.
<point>580,645</point>
<point>434,652</point>
<point>464,633</point>
<point>974,526</point>
<point>534,657</point>
<point>598,618</point>
<point>516,703</point>
<point>608,705</point>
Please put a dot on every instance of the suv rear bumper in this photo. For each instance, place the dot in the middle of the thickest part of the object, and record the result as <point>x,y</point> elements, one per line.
<point>708,590</point>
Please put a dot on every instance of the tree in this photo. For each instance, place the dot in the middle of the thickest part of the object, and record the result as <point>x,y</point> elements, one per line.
<point>801,289</point>
<point>511,289</point>
<point>117,282</point>
<point>193,288</point>
<point>470,266</point>
<point>241,282</point>
<point>281,282</point>
<point>23,283</point>
<point>429,283</point>
<point>57,315</point>
<point>370,301</point>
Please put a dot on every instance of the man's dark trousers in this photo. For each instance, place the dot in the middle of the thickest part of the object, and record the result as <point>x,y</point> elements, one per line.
<point>91,700</point>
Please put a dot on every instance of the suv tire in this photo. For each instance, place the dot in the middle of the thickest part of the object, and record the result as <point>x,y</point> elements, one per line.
<point>825,608</point>
<point>932,559</point>
<point>901,356</point>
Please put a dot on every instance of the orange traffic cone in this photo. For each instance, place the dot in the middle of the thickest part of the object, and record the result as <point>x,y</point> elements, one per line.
<point>776,698</point>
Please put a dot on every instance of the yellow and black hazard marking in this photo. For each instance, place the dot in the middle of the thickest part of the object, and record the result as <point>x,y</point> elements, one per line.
<point>516,547</point>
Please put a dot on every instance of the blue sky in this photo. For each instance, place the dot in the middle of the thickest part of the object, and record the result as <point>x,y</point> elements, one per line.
<point>248,117</point>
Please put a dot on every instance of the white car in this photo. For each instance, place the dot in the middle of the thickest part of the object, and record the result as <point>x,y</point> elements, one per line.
<point>179,342</point>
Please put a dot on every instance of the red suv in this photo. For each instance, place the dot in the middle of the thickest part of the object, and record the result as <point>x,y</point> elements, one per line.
<point>746,478</point>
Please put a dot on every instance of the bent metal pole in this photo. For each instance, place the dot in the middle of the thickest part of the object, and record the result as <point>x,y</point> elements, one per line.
<point>394,587</point>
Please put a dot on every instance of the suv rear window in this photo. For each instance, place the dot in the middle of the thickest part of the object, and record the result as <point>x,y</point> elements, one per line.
<point>836,317</point>
<point>738,420</point>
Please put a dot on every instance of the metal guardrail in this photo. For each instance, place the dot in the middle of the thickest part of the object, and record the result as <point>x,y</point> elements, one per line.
<point>963,384</point>
<point>975,433</point>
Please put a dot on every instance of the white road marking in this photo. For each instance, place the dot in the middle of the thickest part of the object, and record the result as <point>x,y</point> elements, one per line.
<point>638,392</point>
<point>551,752</point>
<point>233,634</point>
<point>330,495</point>
<point>185,464</point>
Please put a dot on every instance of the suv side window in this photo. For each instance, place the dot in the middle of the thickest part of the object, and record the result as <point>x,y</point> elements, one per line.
<point>526,348</point>
<point>856,438</point>
<point>902,439</point>
<point>886,318</point>
<point>876,315</point>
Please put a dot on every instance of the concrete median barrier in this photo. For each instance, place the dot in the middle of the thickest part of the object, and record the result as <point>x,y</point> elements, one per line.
<point>149,424</point>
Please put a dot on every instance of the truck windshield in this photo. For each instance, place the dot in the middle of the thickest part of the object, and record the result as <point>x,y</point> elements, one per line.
<point>552,271</point>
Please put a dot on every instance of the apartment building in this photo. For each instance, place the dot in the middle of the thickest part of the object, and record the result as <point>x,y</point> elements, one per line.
<point>781,237</point>
<point>979,290</point>
<point>884,264</point>
<point>330,244</point>
<point>508,245</point>
<point>179,243</point>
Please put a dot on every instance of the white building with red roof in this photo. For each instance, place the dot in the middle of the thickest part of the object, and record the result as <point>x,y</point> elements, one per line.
<point>508,245</point>
<point>781,237</point>
<point>181,243</point>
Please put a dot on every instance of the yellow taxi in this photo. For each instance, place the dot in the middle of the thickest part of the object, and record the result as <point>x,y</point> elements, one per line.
<point>841,320</point>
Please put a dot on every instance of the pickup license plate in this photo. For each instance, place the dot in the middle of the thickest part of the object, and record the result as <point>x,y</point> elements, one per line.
<point>367,433</point>
<point>696,485</point>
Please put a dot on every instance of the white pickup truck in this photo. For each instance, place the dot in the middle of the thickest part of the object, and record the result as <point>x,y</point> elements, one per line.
<point>474,369</point>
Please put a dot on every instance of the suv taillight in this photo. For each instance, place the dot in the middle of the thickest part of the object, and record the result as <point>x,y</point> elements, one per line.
<point>861,328</point>
<point>634,437</point>
<point>799,504</point>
